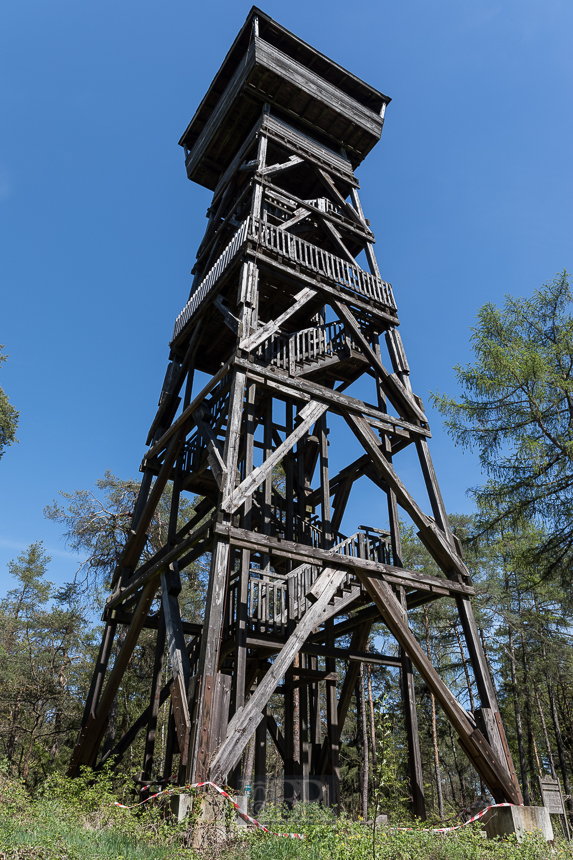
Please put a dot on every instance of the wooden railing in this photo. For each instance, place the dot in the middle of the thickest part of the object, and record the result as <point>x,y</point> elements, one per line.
<point>308,345</point>
<point>212,277</point>
<point>297,250</point>
<point>321,262</point>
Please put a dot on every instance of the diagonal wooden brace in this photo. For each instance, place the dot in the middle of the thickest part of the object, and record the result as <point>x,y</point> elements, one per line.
<point>473,742</point>
<point>309,415</point>
<point>246,719</point>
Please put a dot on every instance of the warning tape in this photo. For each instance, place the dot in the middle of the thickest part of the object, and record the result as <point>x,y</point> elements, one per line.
<point>262,827</point>
<point>224,794</point>
<point>479,815</point>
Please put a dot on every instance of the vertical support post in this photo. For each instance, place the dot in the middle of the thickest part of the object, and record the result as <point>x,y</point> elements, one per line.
<point>149,751</point>
<point>261,762</point>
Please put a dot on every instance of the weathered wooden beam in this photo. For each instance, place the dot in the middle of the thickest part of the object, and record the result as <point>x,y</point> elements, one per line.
<point>308,416</point>
<point>482,756</point>
<point>304,389</point>
<point>247,719</point>
<point>273,169</point>
<point>402,399</point>
<point>151,571</point>
<point>313,555</point>
<point>214,451</point>
<point>91,735</point>
<point>249,344</point>
<point>436,541</point>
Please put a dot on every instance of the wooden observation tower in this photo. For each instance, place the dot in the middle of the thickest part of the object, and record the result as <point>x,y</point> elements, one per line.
<point>284,320</point>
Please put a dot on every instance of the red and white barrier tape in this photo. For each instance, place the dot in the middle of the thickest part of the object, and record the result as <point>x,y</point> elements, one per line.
<point>262,827</point>
<point>479,815</point>
<point>224,794</point>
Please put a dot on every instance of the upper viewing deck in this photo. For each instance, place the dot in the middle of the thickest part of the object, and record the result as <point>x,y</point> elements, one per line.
<point>302,86</point>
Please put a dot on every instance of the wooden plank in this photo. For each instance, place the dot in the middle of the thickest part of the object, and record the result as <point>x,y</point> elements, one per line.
<point>339,242</point>
<point>214,452</point>
<point>272,169</point>
<point>329,287</point>
<point>298,216</point>
<point>247,719</point>
<point>435,540</point>
<point>305,389</point>
<point>289,198</point>
<point>185,421</point>
<point>209,654</point>
<point>311,150</point>
<point>308,416</point>
<point>232,439</point>
<point>312,555</point>
<point>155,699</point>
<point>86,750</point>
<point>151,571</point>
<point>249,344</point>
<point>330,186</point>
<point>402,399</point>
<point>272,58</point>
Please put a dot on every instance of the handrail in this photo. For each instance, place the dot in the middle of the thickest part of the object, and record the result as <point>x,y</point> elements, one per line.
<point>322,262</point>
<point>299,251</point>
<point>212,276</point>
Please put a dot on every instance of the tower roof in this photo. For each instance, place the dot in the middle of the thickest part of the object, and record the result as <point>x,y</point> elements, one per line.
<point>302,86</point>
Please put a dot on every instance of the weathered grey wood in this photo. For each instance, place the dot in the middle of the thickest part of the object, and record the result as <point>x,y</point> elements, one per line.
<point>249,344</point>
<point>398,394</point>
<point>230,319</point>
<point>330,186</point>
<point>443,553</point>
<point>90,739</point>
<point>155,699</point>
<point>330,217</point>
<point>170,587</point>
<point>268,262</point>
<point>307,390</point>
<point>291,549</point>
<point>275,60</point>
<point>308,415</point>
<point>151,571</point>
<point>280,168</point>
<point>214,452</point>
<point>185,421</point>
<point>490,769</point>
<point>299,215</point>
<point>246,720</point>
<point>311,150</point>
<point>338,241</point>
<point>251,263</point>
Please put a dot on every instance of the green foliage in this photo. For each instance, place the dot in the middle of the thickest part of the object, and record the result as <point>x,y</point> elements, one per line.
<point>8,416</point>
<point>43,649</point>
<point>516,409</point>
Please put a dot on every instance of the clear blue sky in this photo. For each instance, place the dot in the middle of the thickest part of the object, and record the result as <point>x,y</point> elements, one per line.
<point>469,193</point>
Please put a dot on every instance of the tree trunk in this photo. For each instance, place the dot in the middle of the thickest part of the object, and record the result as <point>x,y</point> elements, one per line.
<point>359,744</point>
<point>434,726</point>
<point>457,766</point>
<point>366,769</point>
<point>560,747</point>
<point>545,732</point>
<point>531,745</point>
<point>13,737</point>
<point>372,721</point>
<point>518,725</point>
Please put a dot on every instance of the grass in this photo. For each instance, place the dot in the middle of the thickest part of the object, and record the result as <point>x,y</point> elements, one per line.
<point>77,820</point>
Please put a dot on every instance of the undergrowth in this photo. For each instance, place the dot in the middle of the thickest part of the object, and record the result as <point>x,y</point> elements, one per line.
<point>77,820</point>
